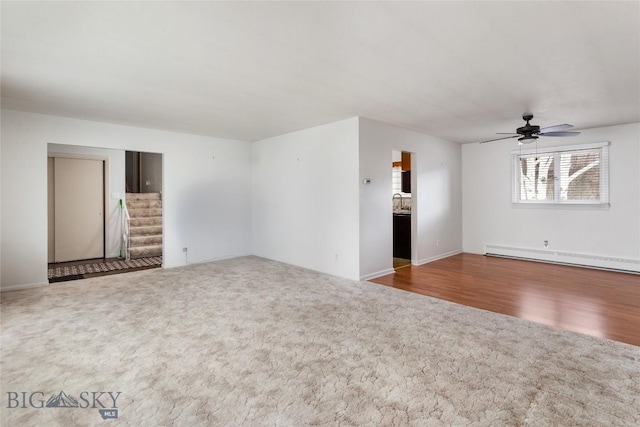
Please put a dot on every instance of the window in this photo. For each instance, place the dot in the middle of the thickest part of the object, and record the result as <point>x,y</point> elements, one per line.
<point>562,175</point>
<point>396,182</point>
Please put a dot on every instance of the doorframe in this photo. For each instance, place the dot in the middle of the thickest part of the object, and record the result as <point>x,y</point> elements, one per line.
<point>414,208</point>
<point>414,205</point>
<point>105,190</point>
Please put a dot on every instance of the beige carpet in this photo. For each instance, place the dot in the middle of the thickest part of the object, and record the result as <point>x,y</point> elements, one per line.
<point>259,343</point>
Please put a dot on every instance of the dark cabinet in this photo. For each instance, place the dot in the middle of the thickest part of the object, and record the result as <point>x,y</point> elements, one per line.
<point>406,182</point>
<point>402,236</point>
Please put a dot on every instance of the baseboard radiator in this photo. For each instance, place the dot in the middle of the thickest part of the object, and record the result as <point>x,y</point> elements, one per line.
<point>570,258</point>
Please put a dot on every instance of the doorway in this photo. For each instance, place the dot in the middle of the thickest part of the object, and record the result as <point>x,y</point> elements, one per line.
<point>402,207</point>
<point>143,172</point>
<point>75,209</point>
<point>116,240</point>
<point>143,200</point>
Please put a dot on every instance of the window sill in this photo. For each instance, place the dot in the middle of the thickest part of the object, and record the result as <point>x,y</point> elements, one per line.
<point>567,206</point>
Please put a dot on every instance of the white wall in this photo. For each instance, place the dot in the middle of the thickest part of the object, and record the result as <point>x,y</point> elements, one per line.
<point>116,184</point>
<point>436,208</point>
<point>305,198</point>
<point>151,173</point>
<point>206,191</point>
<point>489,217</point>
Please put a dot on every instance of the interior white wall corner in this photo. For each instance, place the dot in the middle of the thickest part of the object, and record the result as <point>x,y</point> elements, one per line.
<point>305,198</point>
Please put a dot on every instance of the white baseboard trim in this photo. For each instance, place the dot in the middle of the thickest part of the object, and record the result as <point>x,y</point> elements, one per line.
<point>567,258</point>
<point>23,287</point>
<point>222,258</point>
<point>377,274</point>
<point>437,257</point>
<point>420,262</point>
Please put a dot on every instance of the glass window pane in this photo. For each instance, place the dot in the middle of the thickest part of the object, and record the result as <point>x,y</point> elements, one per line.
<point>580,175</point>
<point>536,178</point>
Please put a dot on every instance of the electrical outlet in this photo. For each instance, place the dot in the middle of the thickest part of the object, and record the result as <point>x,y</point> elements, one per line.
<point>438,243</point>
<point>546,243</point>
<point>184,249</point>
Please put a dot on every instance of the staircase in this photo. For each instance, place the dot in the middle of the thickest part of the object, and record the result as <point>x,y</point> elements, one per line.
<point>145,225</point>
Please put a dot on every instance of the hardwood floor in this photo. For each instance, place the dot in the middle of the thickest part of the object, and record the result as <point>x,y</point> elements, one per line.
<point>600,303</point>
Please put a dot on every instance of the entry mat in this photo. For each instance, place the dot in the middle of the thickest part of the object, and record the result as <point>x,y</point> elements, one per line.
<point>76,271</point>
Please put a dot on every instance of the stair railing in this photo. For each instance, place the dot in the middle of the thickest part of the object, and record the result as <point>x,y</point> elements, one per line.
<point>126,233</point>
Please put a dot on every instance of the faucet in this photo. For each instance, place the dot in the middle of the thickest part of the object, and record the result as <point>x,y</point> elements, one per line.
<point>394,198</point>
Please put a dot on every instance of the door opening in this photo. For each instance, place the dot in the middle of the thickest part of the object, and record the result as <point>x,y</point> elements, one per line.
<point>144,205</point>
<point>143,172</point>
<point>127,241</point>
<point>402,208</point>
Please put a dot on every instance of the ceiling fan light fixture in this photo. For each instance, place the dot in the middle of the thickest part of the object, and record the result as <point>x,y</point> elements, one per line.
<point>531,132</point>
<point>527,139</point>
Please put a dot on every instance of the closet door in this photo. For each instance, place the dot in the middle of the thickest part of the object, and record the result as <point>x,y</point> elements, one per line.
<point>79,209</point>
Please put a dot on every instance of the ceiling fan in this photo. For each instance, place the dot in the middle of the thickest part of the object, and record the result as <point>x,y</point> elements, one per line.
<point>529,133</point>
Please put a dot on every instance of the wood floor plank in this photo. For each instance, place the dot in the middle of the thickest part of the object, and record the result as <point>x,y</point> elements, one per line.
<point>599,303</point>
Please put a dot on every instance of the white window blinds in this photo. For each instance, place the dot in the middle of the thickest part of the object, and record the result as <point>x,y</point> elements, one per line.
<point>562,175</point>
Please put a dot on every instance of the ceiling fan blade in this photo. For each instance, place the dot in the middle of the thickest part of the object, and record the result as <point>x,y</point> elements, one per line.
<point>555,128</point>
<point>506,133</point>
<point>498,139</point>
<point>559,133</point>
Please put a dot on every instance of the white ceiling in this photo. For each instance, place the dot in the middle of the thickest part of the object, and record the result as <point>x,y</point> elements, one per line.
<point>457,70</point>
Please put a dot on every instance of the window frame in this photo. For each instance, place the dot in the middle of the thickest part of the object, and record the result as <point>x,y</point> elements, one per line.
<point>557,152</point>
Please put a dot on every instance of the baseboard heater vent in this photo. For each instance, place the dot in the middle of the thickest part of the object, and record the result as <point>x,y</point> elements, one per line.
<point>557,257</point>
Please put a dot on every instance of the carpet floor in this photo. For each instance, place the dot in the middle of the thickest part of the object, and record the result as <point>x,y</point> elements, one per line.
<point>254,342</point>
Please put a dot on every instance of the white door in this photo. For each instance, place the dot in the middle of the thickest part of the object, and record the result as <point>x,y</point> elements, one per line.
<point>79,209</point>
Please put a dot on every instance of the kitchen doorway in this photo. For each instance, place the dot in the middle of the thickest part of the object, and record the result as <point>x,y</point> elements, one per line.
<point>402,204</point>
